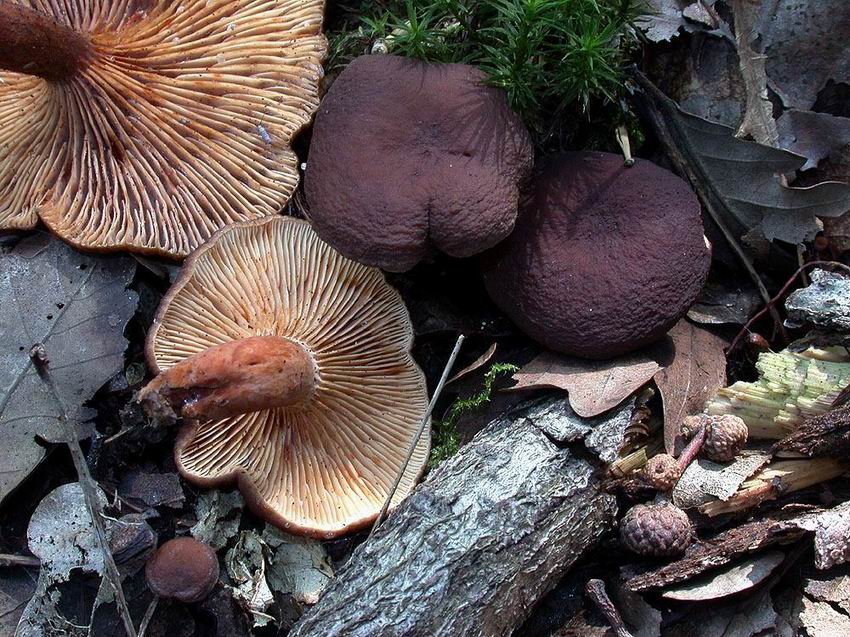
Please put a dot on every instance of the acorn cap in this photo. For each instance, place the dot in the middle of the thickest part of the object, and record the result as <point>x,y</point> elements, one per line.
<point>725,436</point>
<point>178,121</point>
<point>656,530</point>
<point>662,472</point>
<point>183,569</point>
<point>324,464</point>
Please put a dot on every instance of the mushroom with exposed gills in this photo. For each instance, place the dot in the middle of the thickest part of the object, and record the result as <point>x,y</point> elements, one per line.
<point>291,367</point>
<point>147,126</point>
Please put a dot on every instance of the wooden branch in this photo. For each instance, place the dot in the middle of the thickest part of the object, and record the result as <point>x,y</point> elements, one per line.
<point>479,542</point>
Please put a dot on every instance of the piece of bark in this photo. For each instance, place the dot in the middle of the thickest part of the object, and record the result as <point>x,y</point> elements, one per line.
<point>824,435</point>
<point>718,551</point>
<point>472,549</point>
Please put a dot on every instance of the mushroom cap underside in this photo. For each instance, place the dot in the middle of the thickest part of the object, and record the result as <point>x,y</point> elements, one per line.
<point>180,123</point>
<point>324,467</point>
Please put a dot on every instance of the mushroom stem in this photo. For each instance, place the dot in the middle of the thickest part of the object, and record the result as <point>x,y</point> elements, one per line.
<point>239,377</point>
<point>34,43</point>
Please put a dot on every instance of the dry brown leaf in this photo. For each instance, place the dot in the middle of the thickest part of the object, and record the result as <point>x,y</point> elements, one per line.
<point>697,371</point>
<point>594,387</point>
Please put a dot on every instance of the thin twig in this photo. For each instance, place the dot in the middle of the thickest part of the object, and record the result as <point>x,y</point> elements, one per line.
<point>666,137</point>
<point>595,590</point>
<point>87,485</point>
<point>422,424</point>
<point>10,559</point>
<point>146,620</point>
<point>771,302</point>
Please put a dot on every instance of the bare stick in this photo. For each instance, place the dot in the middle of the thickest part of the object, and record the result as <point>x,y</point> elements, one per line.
<point>10,559</point>
<point>146,620</point>
<point>595,590</point>
<point>87,485</point>
<point>622,137</point>
<point>422,424</point>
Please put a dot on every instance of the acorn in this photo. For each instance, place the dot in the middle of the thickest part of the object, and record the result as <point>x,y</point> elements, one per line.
<point>662,472</point>
<point>656,530</point>
<point>725,435</point>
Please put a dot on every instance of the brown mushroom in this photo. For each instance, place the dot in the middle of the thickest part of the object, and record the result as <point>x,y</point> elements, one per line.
<point>147,126</point>
<point>604,258</point>
<point>183,569</point>
<point>292,367</point>
<point>408,156</point>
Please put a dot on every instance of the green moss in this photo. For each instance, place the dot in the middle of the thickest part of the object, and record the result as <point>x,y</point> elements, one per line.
<point>445,440</point>
<point>553,58</point>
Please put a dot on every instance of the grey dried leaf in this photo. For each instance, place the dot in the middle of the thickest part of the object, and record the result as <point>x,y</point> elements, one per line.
<point>219,514</point>
<point>813,135</point>
<point>643,618</point>
<point>298,566</point>
<point>805,45</point>
<point>593,387</point>
<point>704,481</point>
<point>17,586</point>
<point>729,580</point>
<point>697,371</point>
<point>246,566</point>
<point>77,306</point>
<point>719,305</point>
<point>752,616</point>
<point>62,536</point>
<point>742,180</point>
<point>152,489</point>
<point>663,21</point>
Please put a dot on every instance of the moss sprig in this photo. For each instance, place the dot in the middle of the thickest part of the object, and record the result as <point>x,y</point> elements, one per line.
<point>550,56</point>
<point>445,437</point>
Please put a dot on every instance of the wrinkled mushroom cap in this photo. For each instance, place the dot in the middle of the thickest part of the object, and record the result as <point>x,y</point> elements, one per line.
<point>407,155</point>
<point>323,467</point>
<point>604,259</point>
<point>183,569</point>
<point>180,124</point>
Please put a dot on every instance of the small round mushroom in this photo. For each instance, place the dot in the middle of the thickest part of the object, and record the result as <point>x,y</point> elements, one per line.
<point>656,530</point>
<point>291,368</point>
<point>725,435</point>
<point>147,126</point>
<point>406,156</point>
<point>183,569</point>
<point>604,258</point>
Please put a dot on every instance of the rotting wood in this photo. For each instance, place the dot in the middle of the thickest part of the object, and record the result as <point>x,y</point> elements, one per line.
<point>480,541</point>
<point>718,551</point>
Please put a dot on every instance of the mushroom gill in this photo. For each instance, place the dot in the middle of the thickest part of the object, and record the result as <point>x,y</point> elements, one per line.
<point>149,125</point>
<point>264,301</point>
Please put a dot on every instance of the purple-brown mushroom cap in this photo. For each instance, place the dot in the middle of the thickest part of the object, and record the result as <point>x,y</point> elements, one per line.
<point>604,259</point>
<point>183,569</point>
<point>406,156</point>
